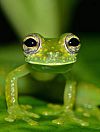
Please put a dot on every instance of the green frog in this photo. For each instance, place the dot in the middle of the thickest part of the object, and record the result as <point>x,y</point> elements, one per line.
<point>45,58</point>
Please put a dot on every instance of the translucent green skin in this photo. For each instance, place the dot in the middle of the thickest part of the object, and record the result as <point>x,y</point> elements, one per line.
<point>51,58</point>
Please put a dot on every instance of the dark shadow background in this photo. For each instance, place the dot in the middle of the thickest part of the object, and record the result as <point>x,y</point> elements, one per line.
<point>87,16</point>
<point>85,19</point>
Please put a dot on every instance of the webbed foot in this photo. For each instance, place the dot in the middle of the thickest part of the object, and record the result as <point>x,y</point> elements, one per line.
<point>70,118</point>
<point>16,112</point>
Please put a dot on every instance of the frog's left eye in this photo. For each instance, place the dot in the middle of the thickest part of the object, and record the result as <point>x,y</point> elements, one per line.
<point>72,43</point>
<point>31,44</point>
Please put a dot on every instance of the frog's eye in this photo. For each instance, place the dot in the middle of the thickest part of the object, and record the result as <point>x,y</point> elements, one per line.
<point>72,43</point>
<point>31,44</point>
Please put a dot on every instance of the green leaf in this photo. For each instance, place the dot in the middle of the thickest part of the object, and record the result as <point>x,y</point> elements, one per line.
<point>45,124</point>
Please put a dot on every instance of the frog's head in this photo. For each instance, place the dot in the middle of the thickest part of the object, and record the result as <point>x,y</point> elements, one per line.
<point>51,51</point>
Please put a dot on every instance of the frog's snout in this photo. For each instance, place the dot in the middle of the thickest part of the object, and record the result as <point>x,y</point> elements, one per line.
<point>54,55</point>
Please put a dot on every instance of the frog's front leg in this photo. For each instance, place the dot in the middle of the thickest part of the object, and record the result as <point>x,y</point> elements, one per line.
<point>14,109</point>
<point>67,114</point>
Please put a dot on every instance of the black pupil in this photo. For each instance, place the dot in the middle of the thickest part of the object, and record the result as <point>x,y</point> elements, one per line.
<point>30,42</point>
<point>73,42</point>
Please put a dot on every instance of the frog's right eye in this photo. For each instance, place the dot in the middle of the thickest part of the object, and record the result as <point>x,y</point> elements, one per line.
<point>72,43</point>
<point>31,44</point>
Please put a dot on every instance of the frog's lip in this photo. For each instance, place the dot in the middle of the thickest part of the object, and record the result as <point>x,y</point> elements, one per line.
<point>52,63</point>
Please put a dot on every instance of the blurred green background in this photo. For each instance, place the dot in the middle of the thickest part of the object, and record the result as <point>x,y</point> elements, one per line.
<point>50,18</point>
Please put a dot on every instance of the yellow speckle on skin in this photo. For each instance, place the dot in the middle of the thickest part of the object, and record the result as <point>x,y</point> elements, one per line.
<point>64,61</point>
<point>39,55</point>
<point>44,58</point>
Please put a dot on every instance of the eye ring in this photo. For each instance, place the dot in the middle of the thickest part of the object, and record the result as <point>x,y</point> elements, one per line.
<point>72,43</point>
<point>31,44</point>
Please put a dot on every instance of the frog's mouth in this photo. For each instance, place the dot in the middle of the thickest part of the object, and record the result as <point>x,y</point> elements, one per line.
<point>51,62</point>
<point>51,66</point>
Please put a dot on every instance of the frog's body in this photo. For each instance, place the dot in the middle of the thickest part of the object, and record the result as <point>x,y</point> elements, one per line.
<point>46,58</point>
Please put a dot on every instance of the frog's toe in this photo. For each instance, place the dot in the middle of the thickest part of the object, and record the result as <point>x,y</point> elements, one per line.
<point>30,121</point>
<point>50,112</point>
<point>83,111</point>
<point>30,114</point>
<point>52,109</point>
<point>54,106</point>
<point>26,107</point>
<point>58,121</point>
<point>88,112</point>
<point>10,118</point>
<point>80,121</point>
